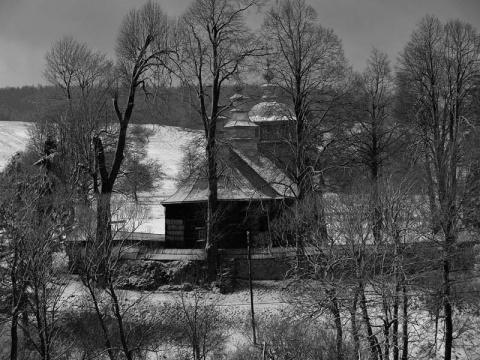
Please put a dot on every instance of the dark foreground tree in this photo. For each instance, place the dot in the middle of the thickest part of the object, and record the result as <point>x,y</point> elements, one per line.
<point>34,212</point>
<point>88,81</point>
<point>440,68</point>
<point>143,44</point>
<point>375,136</point>
<point>215,44</point>
<point>308,65</point>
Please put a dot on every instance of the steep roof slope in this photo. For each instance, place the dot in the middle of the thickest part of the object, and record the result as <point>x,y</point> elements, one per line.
<point>243,177</point>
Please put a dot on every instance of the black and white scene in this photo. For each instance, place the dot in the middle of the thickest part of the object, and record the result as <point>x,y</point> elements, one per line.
<point>239,179</point>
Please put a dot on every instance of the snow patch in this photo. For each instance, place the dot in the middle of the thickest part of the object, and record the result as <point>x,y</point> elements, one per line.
<point>164,146</point>
<point>13,138</point>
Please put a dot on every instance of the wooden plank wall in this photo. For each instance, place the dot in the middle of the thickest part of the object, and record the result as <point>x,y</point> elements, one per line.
<point>174,232</point>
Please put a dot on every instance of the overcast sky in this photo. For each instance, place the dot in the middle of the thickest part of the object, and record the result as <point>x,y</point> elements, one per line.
<point>28,27</point>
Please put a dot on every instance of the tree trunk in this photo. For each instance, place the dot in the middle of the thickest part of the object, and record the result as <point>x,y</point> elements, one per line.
<point>103,238</point>
<point>25,326</point>
<point>386,331</point>
<point>320,214</point>
<point>399,280</point>
<point>353,317</point>
<point>372,339</point>
<point>100,316</point>
<point>211,246</point>
<point>15,306</point>
<point>103,231</point>
<point>431,193</point>
<point>338,327</point>
<point>104,217</point>
<point>335,310</point>
<point>197,353</point>
<point>376,205</point>
<point>396,305</point>
<point>40,312</point>
<point>435,338</point>
<point>405,323</point>
<point>14,337</point>
<point>119,317</point>
<point>447,305</point>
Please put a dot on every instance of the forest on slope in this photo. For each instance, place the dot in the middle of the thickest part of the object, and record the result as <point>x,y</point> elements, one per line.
<point>172,108</point>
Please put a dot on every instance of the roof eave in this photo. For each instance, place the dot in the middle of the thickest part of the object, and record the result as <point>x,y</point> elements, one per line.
<point>228,199</point>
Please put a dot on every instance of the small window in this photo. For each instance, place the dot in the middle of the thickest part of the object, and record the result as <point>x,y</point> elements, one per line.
<point>201,233</point>
<point>201,238</point>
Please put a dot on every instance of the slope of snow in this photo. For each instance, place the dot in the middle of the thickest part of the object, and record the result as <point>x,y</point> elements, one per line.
<point>13,138</point>
<point>165,146</point>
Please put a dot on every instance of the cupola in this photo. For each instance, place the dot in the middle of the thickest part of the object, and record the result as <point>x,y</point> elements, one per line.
<point>239,130</point>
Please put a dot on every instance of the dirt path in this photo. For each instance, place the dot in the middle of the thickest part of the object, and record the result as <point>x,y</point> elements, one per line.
<point>266,295</point>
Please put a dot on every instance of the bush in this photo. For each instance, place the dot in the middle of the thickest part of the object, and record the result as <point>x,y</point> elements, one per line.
<point>151,275</point>
<point>202,326</point>
<point>289,338</point>
<point>149,327</point>
<point>142,275</point>
<point>246,352</point>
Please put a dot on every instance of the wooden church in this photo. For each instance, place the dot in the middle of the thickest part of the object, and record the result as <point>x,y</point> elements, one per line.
<point>252,188</point>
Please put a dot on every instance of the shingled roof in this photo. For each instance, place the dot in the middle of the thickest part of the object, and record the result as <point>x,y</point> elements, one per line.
<point>243,177</point>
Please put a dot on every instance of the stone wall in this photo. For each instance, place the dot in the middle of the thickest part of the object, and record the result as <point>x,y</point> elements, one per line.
<point>272,264</point>
<point>263,268</point>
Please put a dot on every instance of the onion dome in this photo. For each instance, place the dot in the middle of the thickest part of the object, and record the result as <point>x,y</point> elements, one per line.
<point>269,109</point>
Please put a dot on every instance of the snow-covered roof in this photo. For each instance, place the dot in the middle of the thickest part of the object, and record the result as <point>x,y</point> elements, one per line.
<point>268,111</point>
<point>239,119</point>
<point>244,178</point>
<point>274,176</point>
<point>240,123</point>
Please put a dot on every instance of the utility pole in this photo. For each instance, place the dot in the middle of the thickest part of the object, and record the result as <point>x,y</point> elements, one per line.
<point>251,287</point>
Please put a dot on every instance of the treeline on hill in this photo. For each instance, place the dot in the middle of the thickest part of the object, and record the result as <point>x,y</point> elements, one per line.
<point>172,109</point>
<point>17,104</point>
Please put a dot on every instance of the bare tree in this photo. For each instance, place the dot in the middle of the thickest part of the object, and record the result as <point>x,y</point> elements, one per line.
<point>201,323</point>
<point>308,64</point>
<point>350,226</point>
<point>192,162</point>
<point>324,268</point>
<point>215,44</point>
<point>143,46</point>
<point>138,173</point>
<point>74,119</point>
<point>374,133</point>
<point>401,211</point>
<point>35,208</point>
<point>73,66</point>
<point>440,66</point>
<point>99,263</point>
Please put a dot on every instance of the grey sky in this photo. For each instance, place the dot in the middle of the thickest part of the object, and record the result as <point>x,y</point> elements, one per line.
<point>28,27</point>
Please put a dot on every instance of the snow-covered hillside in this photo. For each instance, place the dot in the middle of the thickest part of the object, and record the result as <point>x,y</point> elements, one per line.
<point>164,146</point>
<point>13,138</point>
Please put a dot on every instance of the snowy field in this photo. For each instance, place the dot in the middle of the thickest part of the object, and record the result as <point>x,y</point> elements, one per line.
<point>13,138</point>
<point>164,146</point>
<point>272,298</point>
